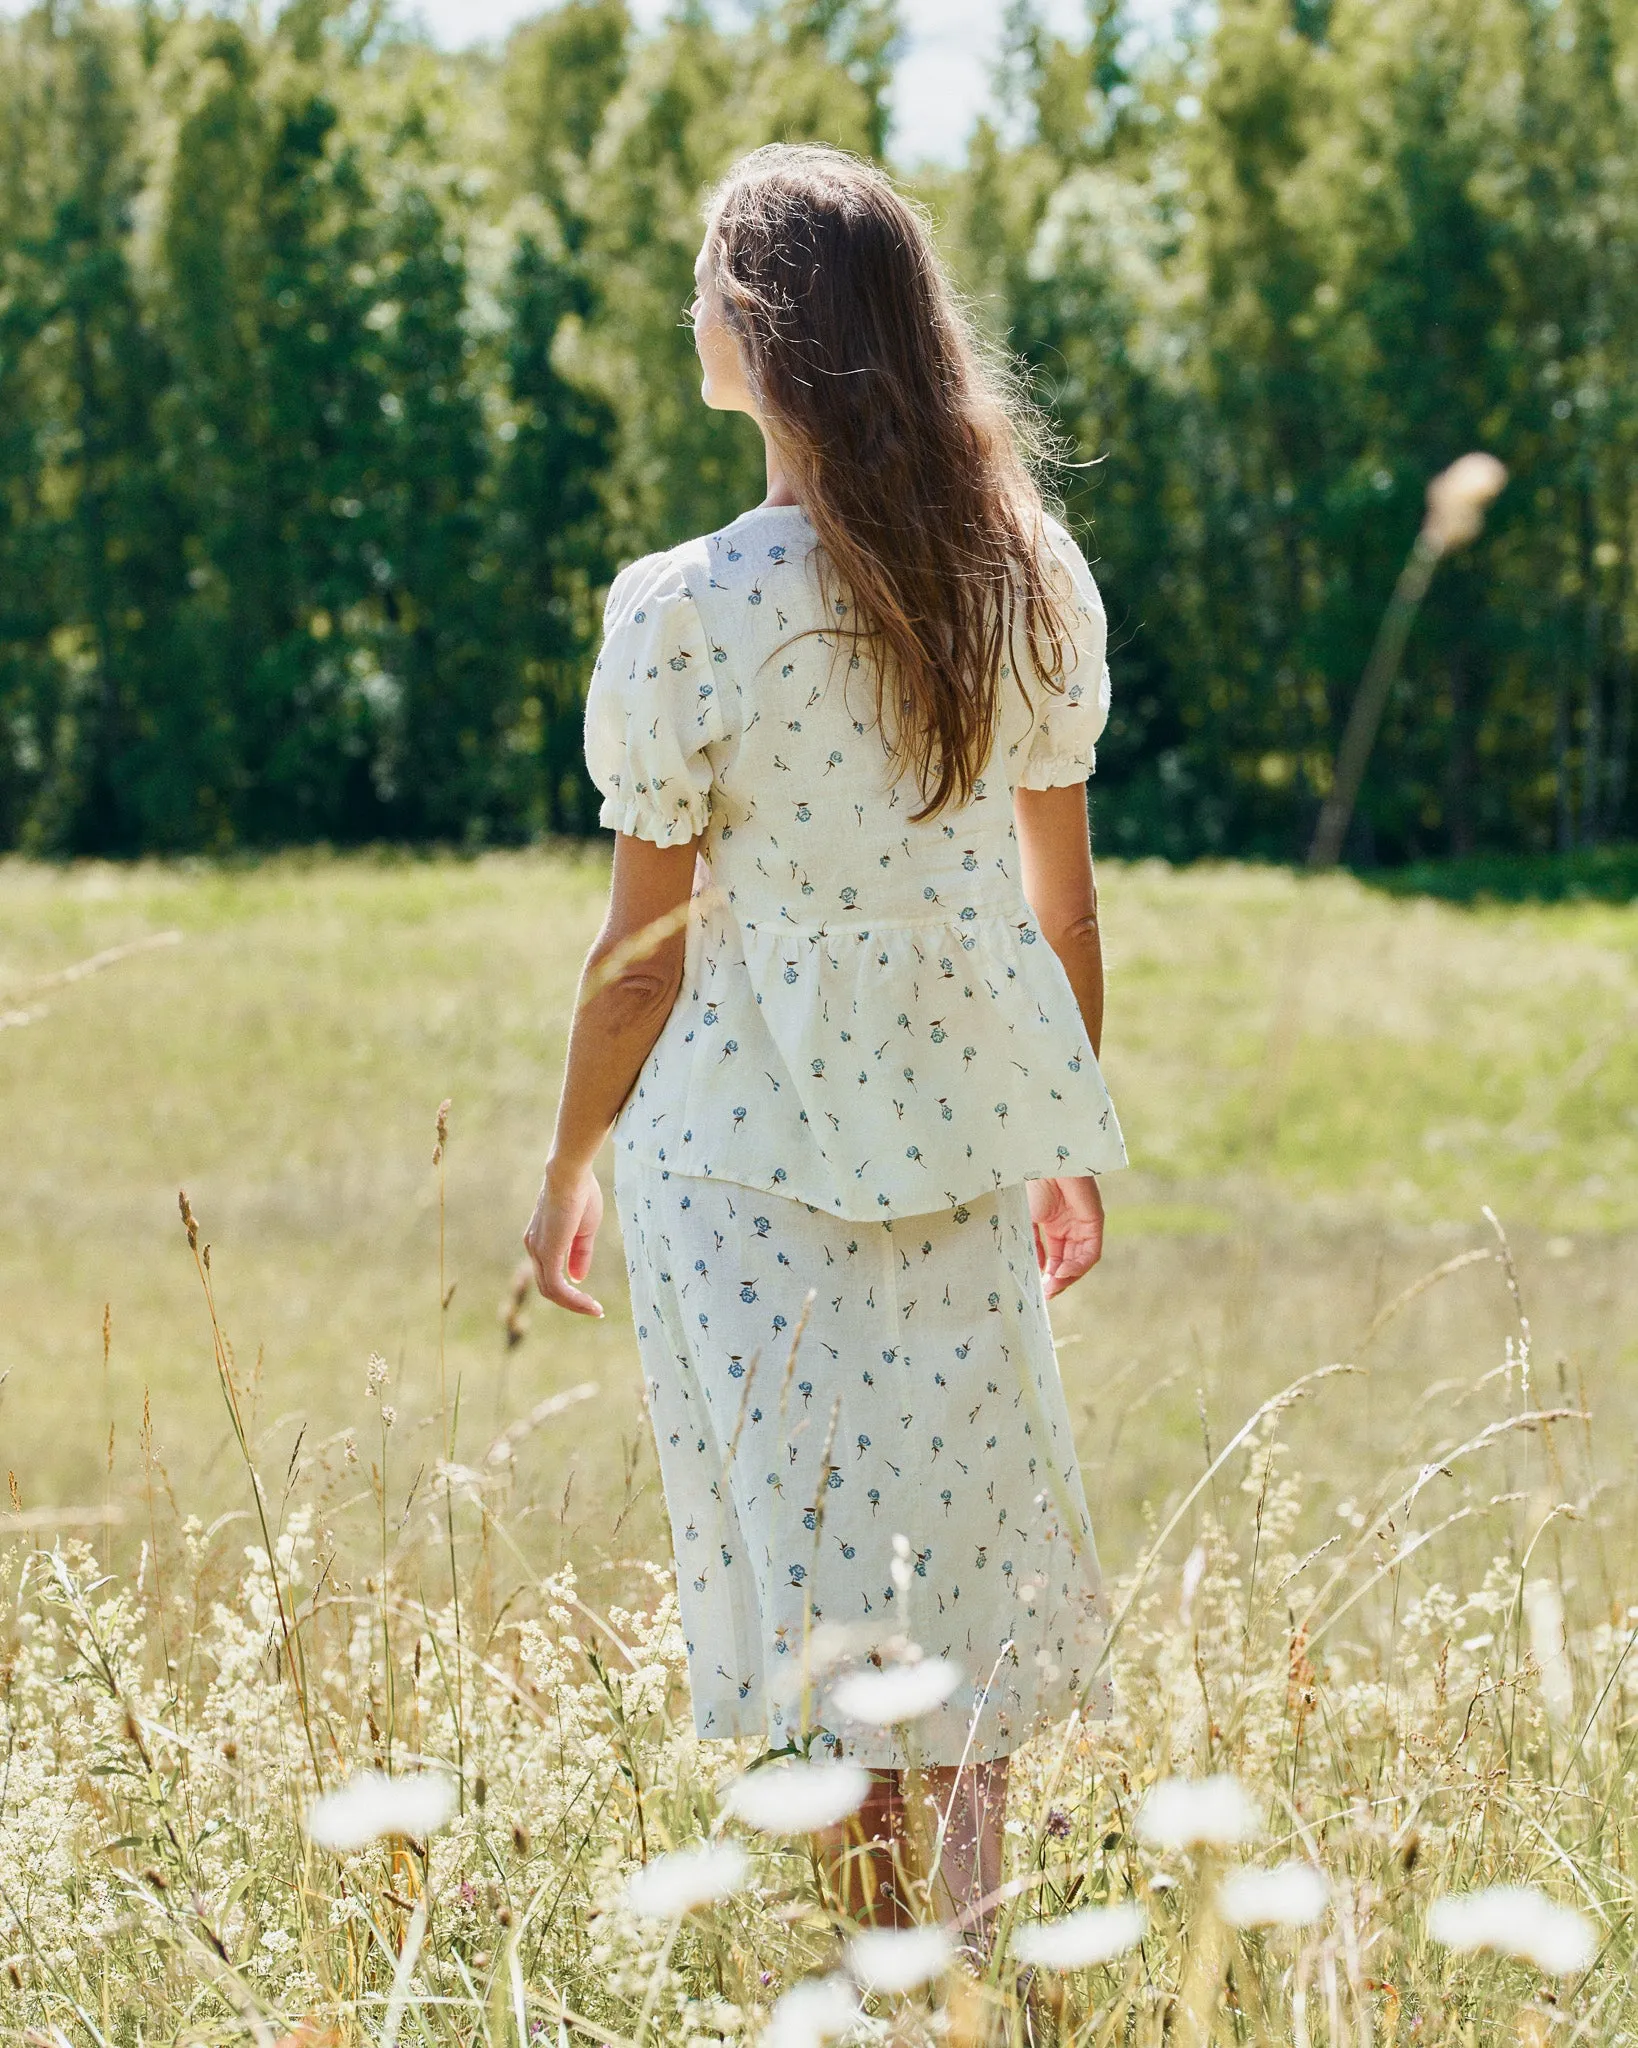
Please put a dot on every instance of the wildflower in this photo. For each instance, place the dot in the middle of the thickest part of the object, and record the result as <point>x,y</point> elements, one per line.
<point>1197,1813</point>
<point>389,1415</point>
<point>1458,498</point>
<point>811,2013</point>
<point>797,1798</point>
<point>1290,1895</point>
<point>1515,1920</point>
<point>375,1374</point>
<point>373,1805</point>
<point>888,1959</point>
<point>673,1885</point>
<point>1097,1934</point>
<point>896,1692</point>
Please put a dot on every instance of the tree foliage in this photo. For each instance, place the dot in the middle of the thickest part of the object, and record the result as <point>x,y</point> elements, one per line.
<point>337,377</point>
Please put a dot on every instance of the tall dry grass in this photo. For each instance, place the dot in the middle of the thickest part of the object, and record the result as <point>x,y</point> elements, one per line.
<point>1425,1689</point>
<point>1395,1602</point>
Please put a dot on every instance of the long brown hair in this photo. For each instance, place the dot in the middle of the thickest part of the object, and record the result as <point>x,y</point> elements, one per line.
<point>910,447</point>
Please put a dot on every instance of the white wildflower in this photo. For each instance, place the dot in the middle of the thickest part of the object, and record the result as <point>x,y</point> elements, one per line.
<point>811,2013</point>
<point>1190,1813</point>
<point>1544,1613</point>
<point>797,1798</point>
<point>675,1884</point>
<point>372,1805</point>
<point>1458,498</point>
<point>1515,1920</point>
<point>375,1374</point>
<point>389,1415</point>
<point>888,1959</point>
<point>896,1692</point>
<point>1096,1934</point>
<point>1290,1895</point>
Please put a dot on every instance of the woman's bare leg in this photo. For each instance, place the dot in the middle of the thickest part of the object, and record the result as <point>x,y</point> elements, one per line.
<point>873,1859</point>
<point>971,1806</point>
<point>867,1858</point>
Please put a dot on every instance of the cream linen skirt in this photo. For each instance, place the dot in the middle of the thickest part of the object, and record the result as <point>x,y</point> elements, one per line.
<point>894,1476</point>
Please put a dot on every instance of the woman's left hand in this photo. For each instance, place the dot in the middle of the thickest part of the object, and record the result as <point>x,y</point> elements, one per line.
<point>560,1237</point>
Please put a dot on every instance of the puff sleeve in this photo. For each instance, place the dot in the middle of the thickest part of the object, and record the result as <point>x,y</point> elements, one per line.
<point>1063,744</point>
<point>654,707</point>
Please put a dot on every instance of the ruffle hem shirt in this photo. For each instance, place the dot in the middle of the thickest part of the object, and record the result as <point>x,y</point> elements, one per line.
<point>870,1020</point>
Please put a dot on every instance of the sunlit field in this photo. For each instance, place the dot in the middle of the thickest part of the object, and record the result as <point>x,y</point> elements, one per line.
<point>1397,1608</point>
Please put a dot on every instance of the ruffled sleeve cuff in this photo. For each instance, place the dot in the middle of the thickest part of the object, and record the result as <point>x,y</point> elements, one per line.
<point>1070,719</point>
<point>655,707</point>
<point>639,817</point>
<point>1058,771</point>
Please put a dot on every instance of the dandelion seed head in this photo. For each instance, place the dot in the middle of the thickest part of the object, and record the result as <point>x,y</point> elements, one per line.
<point>675,1884</point>
<point>890,1959</point>
<point>1290,1895</point>
<point>1515,1920</point>
<point>811,2013</point>
<point>797,1798</point>
<point>1097,1934</point>
<point>896,1692</point>
<point>1197,1813</point>
<point>1458,499</point>
<point>373,1806</point>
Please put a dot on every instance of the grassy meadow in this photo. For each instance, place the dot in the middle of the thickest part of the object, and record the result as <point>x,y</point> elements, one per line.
<point>284,1061</point>
<point>1323,1086</point>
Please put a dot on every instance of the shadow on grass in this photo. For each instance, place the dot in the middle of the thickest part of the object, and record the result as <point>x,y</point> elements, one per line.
<point>1605,874</point>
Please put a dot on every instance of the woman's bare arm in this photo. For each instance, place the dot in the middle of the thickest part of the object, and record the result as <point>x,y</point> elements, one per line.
<point>1055,851</point>
<point>627,988</point>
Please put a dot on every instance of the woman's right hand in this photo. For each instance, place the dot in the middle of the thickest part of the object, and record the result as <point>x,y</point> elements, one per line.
<point>1067,1213</point>
<point>560,1237</point>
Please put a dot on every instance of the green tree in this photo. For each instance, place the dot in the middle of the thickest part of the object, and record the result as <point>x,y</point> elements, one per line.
<point>552,531</point>
<point>117,743</point>
<point>438,674</point>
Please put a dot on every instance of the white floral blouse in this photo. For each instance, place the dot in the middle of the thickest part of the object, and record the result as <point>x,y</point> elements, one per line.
<point>870,1020</point>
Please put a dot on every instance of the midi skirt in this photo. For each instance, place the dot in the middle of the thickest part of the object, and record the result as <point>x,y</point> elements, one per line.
<point>867,1459</point>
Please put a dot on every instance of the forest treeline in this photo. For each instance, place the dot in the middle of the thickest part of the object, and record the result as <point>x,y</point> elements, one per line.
<point>338,375</point>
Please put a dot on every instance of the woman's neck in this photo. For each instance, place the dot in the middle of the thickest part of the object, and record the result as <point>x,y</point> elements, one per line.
<point>780,491</point>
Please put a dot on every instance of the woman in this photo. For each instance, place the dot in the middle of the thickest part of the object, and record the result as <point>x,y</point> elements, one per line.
<point>843,1016</point>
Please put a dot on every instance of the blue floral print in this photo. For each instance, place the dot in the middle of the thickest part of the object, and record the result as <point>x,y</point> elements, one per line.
<point>788,1484</point>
